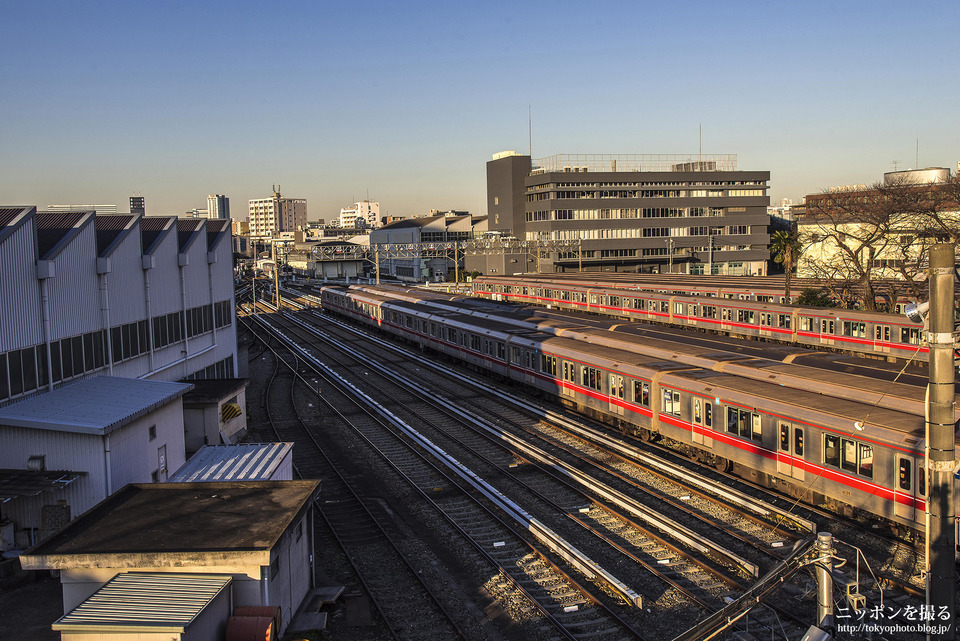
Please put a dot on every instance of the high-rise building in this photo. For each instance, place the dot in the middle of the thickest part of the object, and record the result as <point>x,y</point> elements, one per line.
<point>137,205</point>
<point>218,206</point>
<point>270,216</point>
<point>362,214</point>
<point>687,214</point>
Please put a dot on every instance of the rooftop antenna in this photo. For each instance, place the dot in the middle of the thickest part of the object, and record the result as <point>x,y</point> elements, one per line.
<point>918,153</point>
<point>700,152</point>
<point>895,164</point>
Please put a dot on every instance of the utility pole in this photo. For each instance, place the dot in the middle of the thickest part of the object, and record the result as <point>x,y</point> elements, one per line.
<point>941,455</point>
<point>670,253</point>
<point>276,271</point>
<point>376,254</point>
<point>456,264</point>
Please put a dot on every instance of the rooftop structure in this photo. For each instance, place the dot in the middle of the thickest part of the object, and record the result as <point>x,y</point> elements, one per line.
<point>239,462</point>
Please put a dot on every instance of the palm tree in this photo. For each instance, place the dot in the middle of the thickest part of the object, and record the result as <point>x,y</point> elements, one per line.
<point>784,245</point>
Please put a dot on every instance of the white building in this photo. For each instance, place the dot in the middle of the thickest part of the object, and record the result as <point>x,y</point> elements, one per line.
<point>218,206</point>
<point>269,216</point>
<point>362,214</point>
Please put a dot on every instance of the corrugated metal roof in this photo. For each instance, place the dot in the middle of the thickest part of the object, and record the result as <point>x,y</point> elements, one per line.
<point>12,217</point>
<point>54,230</point>
<point>18,483</point>
<point>109,229</point>
<point>240,462</point>
<point>187,231</point>
<point>144,602</point>
<point>216,229</point>
<point>151,230</point>
<point>95,405</point>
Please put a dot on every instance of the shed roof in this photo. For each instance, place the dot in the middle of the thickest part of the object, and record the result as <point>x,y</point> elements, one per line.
<point>144,602</point>
<point>188,230</point>
<point>97,405</point>
<point>171,524</point>
<point>11,217</point>
<point>240,462</point>
<point>217,228</point>
<point>15,484</point>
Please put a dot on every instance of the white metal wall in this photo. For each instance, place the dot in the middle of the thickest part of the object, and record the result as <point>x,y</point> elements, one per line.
<point>73,291</point>
<point>134,456</point>
<point>125,281</point>
<point>165,277</point>
<point>195,275</point>
<point>20,320</point>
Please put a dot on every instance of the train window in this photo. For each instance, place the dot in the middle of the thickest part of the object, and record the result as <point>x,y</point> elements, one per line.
<point>921,480</point>
<point>697,412</point>
<point>746,316</point>
<point>826,326</point>
<point>883,333</point>
<point>641,393</point>
<point>501,351</point>
<point>664,306</point>
<point>708,414</point>
<point>806,324</point>
<point>798,441</point>
<point>905,477</point>
<point>708,311</point>
<point>848,451</point>
<point>548,364</point>
<point>784,321</point>
<point>475,343</point>
<point>756,426</point>
<point>451,335</point>
<point>910,335</point>
<point>784,438</point>
<point>854,329</point>
<point>616,386</point>
<point>615,301</point>
<point>671,402</point>
<point>866,460</point>
<point>678,308</point>
<point>831,450</point>
<point>639,303</point>
<point>514,354</point>
<point>593,299</point>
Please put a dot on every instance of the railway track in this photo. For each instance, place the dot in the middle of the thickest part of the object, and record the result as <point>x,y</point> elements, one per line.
<point>670,564</point>
<point>522,568</point>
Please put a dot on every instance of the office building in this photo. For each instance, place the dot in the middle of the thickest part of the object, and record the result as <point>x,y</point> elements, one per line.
<point>648,213</point>
<point>99,209</point>
<point>270,216</point>
<point>137,205</point>
<point>218,206</point>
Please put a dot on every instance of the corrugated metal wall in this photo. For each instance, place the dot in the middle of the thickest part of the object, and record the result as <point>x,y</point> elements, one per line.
<point>134,454</point>
<point>165,277</point>
<point>196,274</point>
<point>73,291</point>
<point>20,321</point>
<point>63,451</point>
<point>125,281</point>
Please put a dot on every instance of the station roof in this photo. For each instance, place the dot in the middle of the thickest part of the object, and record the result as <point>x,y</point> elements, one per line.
<point>217,228</point>
<point>152,229</point>
<point>144,602</point>
<point>188,230</point>
<point>97,405</point>
<point>12,216</point>
<point>240,462</point>
<point>177,524</point>
<point>111,228</point>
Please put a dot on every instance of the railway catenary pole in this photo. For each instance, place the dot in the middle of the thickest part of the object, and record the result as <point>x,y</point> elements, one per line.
<point>941,455</point>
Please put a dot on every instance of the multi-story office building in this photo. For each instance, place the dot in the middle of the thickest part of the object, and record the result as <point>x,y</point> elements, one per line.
<point>218,206</point>
<point>270,216</point>
<point>695,214</point>
<point>138,205</point>
<point>362,214</point>
<point>100,209</point>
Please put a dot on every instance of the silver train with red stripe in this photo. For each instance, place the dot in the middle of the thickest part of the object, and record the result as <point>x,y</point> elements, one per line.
<point>875,334</point>
<point>807,438</point>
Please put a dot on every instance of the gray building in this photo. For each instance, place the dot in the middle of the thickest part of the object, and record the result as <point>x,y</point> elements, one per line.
<point>646,213</point>
<point>429,229</point>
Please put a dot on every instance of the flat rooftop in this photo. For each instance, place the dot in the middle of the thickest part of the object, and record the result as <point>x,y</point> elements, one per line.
<point>166,524</point>
<point>97,405</point>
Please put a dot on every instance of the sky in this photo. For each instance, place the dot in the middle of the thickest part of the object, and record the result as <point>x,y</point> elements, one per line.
<point>405,102</point>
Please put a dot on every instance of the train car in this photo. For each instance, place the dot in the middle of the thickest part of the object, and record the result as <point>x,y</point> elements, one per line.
<point>834,452</point>
<point>873,334</point>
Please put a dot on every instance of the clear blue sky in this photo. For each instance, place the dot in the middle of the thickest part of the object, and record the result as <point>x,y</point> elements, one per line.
<point>407,101</point>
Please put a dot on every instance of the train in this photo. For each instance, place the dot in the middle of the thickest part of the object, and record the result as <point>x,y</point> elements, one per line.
<point>864,333</point>
<point>854,457</point>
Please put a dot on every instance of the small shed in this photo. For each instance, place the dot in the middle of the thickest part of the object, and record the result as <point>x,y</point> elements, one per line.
<point>151,606</point>
<point>99,434</point>
<point>240,462</point>
<point>214,412</point>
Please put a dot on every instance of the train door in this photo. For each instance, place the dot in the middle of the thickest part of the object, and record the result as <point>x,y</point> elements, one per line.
<point>702,422</point>
<point>790,450</point>
<point>569,372</point>
<point>616,394</point>
<point>905,490</point>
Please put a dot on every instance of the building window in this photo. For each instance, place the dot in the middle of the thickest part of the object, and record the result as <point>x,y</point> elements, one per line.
<point>152,432</point>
